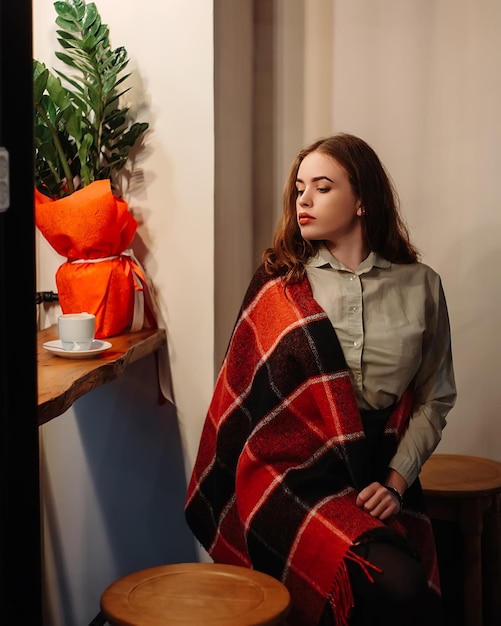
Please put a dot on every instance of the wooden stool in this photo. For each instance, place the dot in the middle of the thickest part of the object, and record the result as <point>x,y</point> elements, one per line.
<point>195,594</point>
<point>466,490</point>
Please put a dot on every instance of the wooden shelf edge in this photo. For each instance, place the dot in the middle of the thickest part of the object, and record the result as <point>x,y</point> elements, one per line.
<point>62,381</point>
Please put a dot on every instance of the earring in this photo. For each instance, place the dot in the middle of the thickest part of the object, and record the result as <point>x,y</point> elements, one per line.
<point>361,211</point>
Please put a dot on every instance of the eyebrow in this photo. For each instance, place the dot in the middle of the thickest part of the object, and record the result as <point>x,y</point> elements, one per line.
<point>317,178</point>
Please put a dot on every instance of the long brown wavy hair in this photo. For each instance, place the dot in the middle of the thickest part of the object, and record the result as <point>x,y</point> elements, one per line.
<point>383,228</point>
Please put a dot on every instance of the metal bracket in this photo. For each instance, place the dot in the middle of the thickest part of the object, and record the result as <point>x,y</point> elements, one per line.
<point>4,180</point>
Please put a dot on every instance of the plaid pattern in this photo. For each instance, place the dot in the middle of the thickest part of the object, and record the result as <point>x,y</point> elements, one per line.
<point>281,456</point>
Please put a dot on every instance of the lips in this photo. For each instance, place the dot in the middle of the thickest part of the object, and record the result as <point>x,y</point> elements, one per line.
<point>304,218</point>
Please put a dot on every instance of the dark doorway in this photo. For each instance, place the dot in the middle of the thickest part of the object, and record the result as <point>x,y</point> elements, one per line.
<point>20,543</point>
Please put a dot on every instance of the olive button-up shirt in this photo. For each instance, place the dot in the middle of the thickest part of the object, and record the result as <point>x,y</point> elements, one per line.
<point>393,326</point>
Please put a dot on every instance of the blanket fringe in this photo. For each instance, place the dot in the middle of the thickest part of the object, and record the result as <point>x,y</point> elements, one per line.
<point>341,596</point>
<point>364,564</point>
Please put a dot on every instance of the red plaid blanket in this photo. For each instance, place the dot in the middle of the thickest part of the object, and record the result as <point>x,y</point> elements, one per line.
<point>281,455</point>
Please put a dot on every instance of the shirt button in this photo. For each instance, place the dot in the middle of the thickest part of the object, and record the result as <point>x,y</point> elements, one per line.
<point>352,277</point>
<point>356,344</point>
<point>354,309</point>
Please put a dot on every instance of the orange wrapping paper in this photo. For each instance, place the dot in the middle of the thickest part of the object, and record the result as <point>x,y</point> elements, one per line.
<point>92,228</point>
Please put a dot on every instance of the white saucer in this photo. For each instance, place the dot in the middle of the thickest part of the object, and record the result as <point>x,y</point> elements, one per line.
<point>56,347</point>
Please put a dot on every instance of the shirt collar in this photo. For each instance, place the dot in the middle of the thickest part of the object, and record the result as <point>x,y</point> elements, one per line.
<point>323,258</point>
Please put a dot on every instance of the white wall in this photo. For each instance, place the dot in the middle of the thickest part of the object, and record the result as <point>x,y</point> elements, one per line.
<point>114,466</point>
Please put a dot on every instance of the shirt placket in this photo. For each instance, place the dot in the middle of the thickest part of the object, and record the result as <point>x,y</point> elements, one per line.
<point>355,326</point>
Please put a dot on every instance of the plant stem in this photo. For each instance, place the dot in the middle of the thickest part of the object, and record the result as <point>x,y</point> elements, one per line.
<point>59,148</point>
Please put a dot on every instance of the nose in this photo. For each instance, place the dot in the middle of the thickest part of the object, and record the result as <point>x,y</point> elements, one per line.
<point>304,199</point>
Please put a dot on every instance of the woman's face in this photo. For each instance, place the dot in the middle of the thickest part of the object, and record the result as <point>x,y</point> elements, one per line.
<point>326,207</point>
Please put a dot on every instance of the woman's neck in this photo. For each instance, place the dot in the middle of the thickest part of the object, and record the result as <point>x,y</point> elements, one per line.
<point>350,254</point>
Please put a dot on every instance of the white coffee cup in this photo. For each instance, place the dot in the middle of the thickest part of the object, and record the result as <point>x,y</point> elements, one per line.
<point>76,330</point>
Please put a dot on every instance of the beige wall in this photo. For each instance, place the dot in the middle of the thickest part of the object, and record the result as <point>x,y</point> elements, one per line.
<point>421,82</point>
<point>234,141</point>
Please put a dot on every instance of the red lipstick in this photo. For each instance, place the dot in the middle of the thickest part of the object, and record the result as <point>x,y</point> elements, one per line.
<point>304,218</point>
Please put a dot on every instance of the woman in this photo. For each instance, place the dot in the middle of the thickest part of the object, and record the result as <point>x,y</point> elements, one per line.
<point>333,393</point>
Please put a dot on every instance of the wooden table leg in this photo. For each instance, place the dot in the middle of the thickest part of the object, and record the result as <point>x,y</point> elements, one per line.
<point>492,561</point>
<point>466,489</point>
<point>471,524</point>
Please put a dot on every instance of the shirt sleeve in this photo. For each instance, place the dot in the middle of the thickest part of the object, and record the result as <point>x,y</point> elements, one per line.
<point>434,392</point>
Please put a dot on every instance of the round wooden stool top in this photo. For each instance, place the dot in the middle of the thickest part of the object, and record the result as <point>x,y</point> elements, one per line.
<point>453,475</point>
<point>196,594</point>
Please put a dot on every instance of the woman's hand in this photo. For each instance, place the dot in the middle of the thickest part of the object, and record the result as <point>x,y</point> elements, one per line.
<point>378,501</point>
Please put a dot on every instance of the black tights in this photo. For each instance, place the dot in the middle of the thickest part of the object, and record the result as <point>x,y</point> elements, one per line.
<point>398,595</point>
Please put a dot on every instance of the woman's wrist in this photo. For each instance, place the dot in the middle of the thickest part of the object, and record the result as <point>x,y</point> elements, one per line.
<point>395,492</point>
<point>395,479</point>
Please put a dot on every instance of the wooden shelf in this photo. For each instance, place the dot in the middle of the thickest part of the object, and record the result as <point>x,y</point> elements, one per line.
<point>62,381</point>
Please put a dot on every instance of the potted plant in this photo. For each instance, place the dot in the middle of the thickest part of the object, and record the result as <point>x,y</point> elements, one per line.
<point>81,132</point>
<point>83,139</point>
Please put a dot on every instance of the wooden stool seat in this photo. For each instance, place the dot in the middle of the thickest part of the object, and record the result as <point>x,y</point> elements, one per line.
<point>466,490</point>
<point>195,594</point>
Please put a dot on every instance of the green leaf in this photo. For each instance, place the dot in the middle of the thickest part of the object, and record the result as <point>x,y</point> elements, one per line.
<point>81,131</point>
<point>74,125</point>
<point>39,85</point>
<point>67,25</point>
<point>91,17</point>
<point>67,11</point>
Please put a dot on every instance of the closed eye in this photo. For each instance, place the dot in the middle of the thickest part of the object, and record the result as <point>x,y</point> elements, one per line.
<point>319,189</point>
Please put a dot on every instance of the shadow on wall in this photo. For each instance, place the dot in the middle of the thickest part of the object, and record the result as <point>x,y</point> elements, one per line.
<point>123,509</point>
